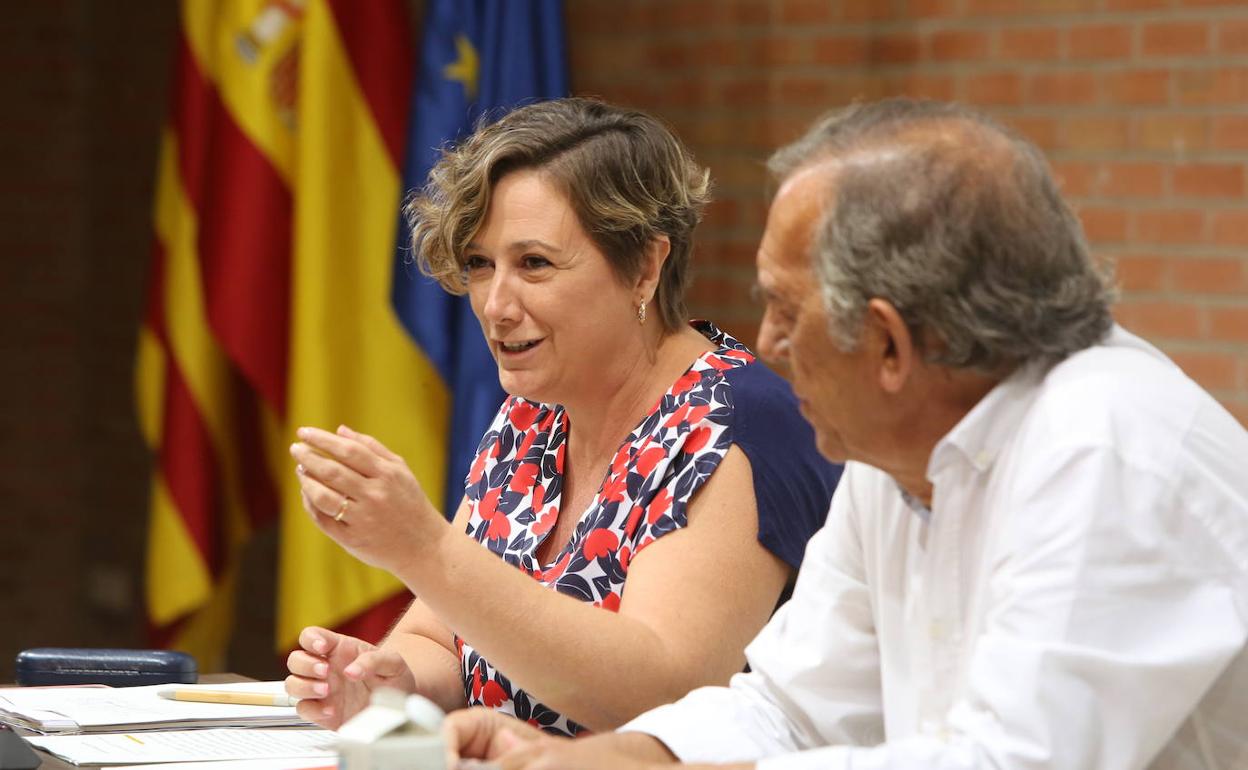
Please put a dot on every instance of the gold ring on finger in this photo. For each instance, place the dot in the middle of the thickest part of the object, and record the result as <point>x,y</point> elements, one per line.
<point>342,509</point>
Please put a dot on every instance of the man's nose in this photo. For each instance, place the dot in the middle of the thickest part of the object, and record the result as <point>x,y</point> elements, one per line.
<point>773,342</point>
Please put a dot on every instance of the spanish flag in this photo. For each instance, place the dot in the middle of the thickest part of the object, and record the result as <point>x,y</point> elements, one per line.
<point>270,307</point>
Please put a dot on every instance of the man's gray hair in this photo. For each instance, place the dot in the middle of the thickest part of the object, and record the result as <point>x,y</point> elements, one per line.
<point>957,222</point>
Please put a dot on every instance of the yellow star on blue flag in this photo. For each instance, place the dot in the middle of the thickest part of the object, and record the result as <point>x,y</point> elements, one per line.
<point>465,67</point>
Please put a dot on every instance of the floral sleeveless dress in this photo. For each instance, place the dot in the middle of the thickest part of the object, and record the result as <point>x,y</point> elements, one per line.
<point>514,488</point>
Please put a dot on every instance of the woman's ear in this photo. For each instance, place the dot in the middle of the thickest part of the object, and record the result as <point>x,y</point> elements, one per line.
<point>652,262</point>
<point>892,344</point>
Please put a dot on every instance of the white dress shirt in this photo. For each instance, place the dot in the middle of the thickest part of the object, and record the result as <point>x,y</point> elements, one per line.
<point>1077,598</point>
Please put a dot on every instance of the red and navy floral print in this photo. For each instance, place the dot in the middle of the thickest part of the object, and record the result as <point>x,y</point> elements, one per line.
<point>515,483</point>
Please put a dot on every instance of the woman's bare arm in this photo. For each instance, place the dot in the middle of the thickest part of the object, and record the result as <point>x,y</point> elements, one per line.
<point>694,599</point>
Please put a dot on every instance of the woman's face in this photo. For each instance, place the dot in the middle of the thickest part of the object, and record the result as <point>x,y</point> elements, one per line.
<point>552,310</point>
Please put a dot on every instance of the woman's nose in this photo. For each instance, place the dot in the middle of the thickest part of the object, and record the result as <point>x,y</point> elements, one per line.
<point>502,302</point>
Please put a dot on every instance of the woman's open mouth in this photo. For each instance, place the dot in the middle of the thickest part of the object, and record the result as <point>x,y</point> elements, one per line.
<point>517,347</point>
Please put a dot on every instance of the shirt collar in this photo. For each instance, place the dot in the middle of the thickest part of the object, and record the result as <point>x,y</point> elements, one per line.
<point>983,432</point>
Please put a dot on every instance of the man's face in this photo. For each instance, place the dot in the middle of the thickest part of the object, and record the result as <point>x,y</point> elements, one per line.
<point>832,386</point>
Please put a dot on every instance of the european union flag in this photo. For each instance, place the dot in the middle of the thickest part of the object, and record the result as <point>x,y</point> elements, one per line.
<point>478,57</point>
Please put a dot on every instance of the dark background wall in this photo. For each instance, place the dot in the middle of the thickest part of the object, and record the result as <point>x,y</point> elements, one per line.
<point>83,98</point>
<point>1141,104</point>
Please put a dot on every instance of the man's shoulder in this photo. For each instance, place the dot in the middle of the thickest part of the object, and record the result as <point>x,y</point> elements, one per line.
<point>1123,365</point>
<point>1126,396</point>
<point>1093,388</point>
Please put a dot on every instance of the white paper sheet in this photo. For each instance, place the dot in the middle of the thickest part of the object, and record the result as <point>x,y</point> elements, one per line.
<point>94,709</point>
<point>189,746</point>
<point>241,764</point>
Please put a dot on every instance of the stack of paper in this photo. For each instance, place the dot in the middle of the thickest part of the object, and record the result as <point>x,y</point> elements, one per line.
<point>68,710</point>
<point>252,764</point>
<point>190,745</point>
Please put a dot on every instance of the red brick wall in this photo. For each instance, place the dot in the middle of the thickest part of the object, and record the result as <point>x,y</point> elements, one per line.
<point>1142,105</point>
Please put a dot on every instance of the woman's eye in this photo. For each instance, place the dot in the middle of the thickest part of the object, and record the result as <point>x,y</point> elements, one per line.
<point>533,262</point>
<point>475,262</point>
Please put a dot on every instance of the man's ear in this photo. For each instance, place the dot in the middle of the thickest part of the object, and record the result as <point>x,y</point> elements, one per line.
<point>652,266</point>
<point>891,343</point>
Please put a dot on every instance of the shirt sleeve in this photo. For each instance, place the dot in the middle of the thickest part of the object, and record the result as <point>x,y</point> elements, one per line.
<point>1120,606</point>
<point>792,481</point>
<point>791,700</point>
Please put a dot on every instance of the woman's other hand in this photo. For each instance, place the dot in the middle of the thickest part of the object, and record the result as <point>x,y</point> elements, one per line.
<point>334,675</point>
<point>365,497</point>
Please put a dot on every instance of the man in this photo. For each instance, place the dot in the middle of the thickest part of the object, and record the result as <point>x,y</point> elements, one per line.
<point>1038,555</point>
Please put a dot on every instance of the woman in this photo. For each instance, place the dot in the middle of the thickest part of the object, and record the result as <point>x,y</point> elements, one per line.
<point>635,448</point>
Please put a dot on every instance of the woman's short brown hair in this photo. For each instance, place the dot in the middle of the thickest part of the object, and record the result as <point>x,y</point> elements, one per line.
<point>626,176</point>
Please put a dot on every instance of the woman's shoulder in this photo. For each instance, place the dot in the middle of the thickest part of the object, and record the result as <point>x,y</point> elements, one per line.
<point>729,352</point>
<point>793,483</point>
<point>766,417</point>
<point>759,393</point>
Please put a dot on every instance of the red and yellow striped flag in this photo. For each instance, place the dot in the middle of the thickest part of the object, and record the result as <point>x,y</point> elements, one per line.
<point>269,306</point>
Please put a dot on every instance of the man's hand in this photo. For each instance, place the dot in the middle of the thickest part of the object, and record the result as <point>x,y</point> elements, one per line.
<point>483,733</point>
<point>609,751</point>
<point>334,675</point>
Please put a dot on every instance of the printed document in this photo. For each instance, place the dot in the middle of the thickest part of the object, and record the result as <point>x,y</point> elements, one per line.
<point>241,764</point>
<point>190,746</point>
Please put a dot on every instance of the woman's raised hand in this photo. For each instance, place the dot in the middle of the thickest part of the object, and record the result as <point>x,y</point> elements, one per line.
<point>334,675</point>
<point>365,497</point>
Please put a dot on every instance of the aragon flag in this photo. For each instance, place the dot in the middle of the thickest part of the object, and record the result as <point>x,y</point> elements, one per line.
<point>269,306</point>
<point>479,58</point>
